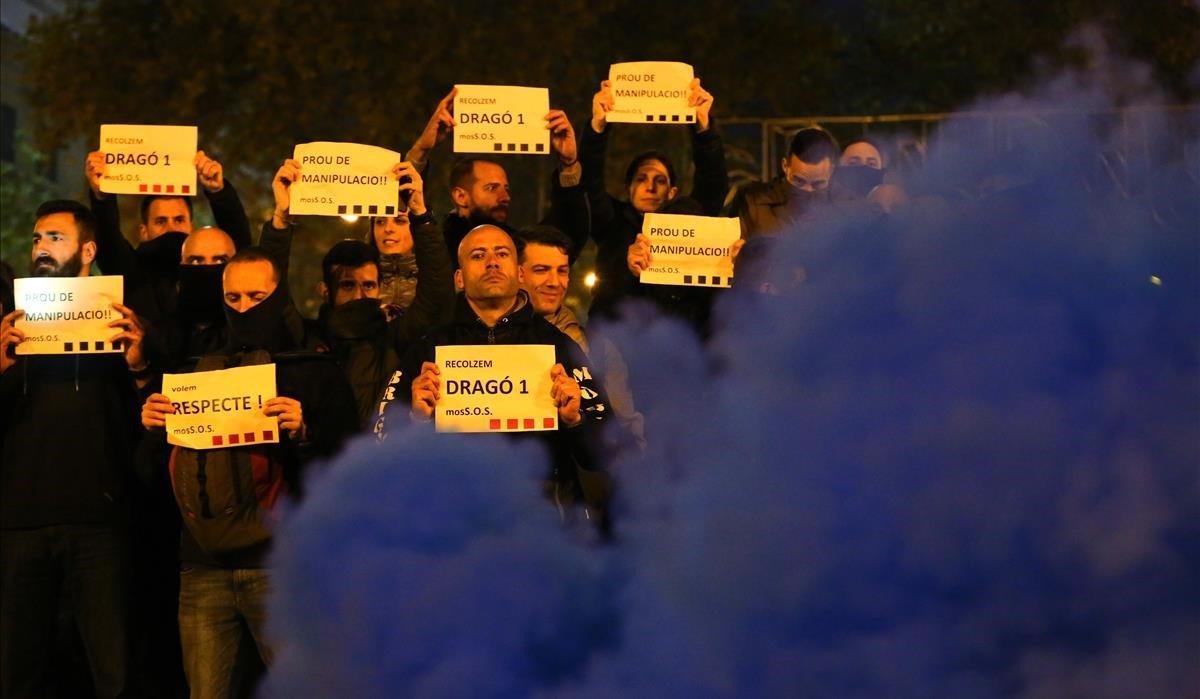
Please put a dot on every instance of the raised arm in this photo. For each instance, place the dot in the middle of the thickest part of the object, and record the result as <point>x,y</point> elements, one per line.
<point>569,210</point>
<point>223,199</point>
<point>434,300</point>
<point>593,149</point>
<point>276,237</point>
<point>114,253</point>
<point>711,183</point>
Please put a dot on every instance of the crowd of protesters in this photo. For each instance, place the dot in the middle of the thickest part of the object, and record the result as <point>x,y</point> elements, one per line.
<point>152,555</point>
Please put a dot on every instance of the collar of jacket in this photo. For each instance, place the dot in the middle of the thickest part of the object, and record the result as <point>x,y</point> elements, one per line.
<point>777,193</point>
<point>520,314</point>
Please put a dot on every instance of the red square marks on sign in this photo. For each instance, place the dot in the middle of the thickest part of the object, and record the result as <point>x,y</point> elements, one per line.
<point>494,424</point>
<point>548,423</point>
<point>248,438</point>
<point>512,423</point>
<point>186,189</point>
<point>218,440</point>
<point>268,435</point>
<point>234,439</point>
<point>143,188</point>
<point>157,188</point>
<point>170,189</point>
<point>529,423</point>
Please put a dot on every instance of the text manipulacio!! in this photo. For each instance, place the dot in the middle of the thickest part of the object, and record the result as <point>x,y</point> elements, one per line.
<point>68,315</point>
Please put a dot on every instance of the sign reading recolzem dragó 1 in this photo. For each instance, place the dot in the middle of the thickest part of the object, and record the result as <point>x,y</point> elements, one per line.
<point>501,119</point>
<point>495,388</point>
<point>344,179</point>
<point>68,315</point>
<point>140,159</point>
<point>224,408</point>
<point>690,250</point>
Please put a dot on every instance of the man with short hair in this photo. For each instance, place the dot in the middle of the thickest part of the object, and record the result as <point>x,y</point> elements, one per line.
<point>64,510</point>
<point>493,309</point>
<point>544,255</point>
<point>804,185</point>
<point>224,586</point>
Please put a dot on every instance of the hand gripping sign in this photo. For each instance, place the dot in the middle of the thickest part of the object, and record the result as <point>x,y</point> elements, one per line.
<point>495,388</point>
<point>651,92</point>
<point>339,179</point>
<point>690,250</point>
<point>501,119</point>
<point>68,315</point>
<point>224,408</point>
<point>148,159</point>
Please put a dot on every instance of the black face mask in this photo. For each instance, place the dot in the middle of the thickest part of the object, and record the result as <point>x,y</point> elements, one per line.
<point>859,179</point>
<point>162,253</point>
<point>802,201</point>
<point>263,326</point>
<point>353,320</point>
<point>201,298</point>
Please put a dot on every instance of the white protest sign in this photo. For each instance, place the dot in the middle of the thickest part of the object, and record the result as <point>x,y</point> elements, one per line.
<point>690,250</point>
<point>501,119</point>
<point>495,388</point>
<point>68,315</point>
<point>345,179</point>
<point>215,409</point>
<point>650,92</point>
<point>148,159</point>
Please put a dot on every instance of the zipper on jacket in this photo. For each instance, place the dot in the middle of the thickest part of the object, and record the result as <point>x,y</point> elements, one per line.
<point>491,336</point>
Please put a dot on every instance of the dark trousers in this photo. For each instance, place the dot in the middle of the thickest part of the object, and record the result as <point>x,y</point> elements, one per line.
<point>87,566</point>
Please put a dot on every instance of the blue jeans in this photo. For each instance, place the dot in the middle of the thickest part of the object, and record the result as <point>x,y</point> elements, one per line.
<point>219,610</point>
<point>87,565</point>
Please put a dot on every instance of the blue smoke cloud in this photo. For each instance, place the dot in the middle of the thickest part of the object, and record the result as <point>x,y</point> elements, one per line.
<point>960,459</point>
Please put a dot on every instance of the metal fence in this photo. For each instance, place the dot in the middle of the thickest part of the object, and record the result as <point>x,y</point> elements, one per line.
<point>757,145</point>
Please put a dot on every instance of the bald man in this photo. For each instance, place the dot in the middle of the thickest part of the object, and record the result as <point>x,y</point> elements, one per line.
<point>493,309</point>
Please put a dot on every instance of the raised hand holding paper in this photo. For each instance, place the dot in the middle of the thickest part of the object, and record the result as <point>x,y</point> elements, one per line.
<point>501,119</point>
<point>142,159</point>
<point>495,388</point>
<point>68,315</point>
<point>651,92</point>
<point>216,409</point>
<point>690,250</point>
<point>338,179</point>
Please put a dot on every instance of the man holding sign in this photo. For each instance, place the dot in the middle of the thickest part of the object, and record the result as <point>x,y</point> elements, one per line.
<point>651,184</point>
<point>166,225</point>
<point>229,481</point>
<point>479,184</point>
<point>68,426</point>
<point>493,311</point>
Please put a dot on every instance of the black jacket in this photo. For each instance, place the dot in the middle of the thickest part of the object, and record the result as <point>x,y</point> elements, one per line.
<point>580,446</point>
<point>68,426</point>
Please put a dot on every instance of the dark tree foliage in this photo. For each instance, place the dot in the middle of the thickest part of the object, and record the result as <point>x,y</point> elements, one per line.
<point>258,77</point>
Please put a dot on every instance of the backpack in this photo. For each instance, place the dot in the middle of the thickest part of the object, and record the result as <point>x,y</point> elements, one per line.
<point>226,496</point>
